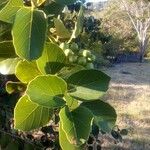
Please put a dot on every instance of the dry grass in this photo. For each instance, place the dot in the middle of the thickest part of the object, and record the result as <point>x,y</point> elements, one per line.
<point>129,93</point>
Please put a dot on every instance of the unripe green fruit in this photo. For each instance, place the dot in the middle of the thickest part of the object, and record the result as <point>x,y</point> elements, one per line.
<point>64,46</point>
<point>86,53</point>
<point>74,46</point>
<point>72,59</point>
<point>92,58</point>
<point>68,52</point>
<point>82,61</point>
<point>89,66</point>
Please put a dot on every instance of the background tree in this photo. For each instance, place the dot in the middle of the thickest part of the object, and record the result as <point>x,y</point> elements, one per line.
<point>139,14</point>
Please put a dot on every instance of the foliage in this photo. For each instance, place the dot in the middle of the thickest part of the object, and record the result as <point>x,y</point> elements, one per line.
<point>120,20</point>
<point>116,23</point>
<point>47,80</point>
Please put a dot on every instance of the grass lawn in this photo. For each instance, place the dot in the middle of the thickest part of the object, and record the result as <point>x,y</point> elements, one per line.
<point>129,93</point>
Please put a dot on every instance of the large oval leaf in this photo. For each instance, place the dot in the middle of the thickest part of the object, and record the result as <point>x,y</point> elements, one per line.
<point>52,60</point>
<point>26,71</point>
<point>64,143</point>
<point>76,124</point>
<point>47,91</point>
<point>88,84</point>
<point>7,14</point>
<point>29,32</point>
<point>7,49</point>
<point>104,114</point>
<point>29,115</point>
<point>8,66</point>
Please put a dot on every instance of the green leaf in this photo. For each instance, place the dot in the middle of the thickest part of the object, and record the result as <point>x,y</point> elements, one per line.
<point>104,114</point>
<point>8,66</point>
<point>29,115</point>
<point>53,8</point>
<point>26,71</point>
<point>78,25</point>
<point>7,49</point>
<point>66,72</point>
<point>71,102</point>
<point>64,143</point>
<point>47,91</point>
<point>15,87</point>
<point>76,124</point>
<point>38,2</point>
<point>7,14</point>
<point>52,60</point>
<point>65,2</point>
<point>3,3</point>
<point>61,30</point>
<point>29,32</point>
<point>88,84</point>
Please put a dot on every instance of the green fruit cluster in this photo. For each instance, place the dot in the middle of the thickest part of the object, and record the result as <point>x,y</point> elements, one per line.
<point>78,56</point>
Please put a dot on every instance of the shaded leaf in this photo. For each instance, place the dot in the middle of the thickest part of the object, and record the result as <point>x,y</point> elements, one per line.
<point>29,32</point>
<point>78,24</point>
<point>3,3</point>
<point>29,115</point>
<point>61,30</point>
<point>66,72</point>
<point>47,91</point>
<point>52,60</point>
<point>7,49</point>
<point>88,84</point>
<point>64,143</point>
<point>104,114</point>
<point>53,8</point>
<point>76,124</point>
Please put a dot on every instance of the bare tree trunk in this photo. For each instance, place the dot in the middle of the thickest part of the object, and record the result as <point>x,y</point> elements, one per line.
<point>141,54</point>
<point>143,48</point>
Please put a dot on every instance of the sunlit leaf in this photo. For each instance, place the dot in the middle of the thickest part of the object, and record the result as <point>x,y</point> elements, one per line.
<point>47,91</point>
<point>29,115</point>
<point>29,32</point>
<point>26,71</point>
<point>7,14</point>
<point>8,66</point>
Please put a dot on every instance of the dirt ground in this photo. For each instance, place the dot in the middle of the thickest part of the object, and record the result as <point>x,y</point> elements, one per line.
<point>129,93</point>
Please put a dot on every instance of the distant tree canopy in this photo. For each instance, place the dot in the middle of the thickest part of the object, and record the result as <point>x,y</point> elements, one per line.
<point>129,20</point>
